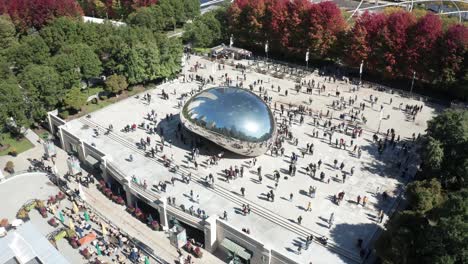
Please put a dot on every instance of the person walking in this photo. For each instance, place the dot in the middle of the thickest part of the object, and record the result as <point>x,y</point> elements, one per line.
<point>291,196</point>
<point>364,201</point>
<point>299,220</point>
<point>309,206</point>
<point>242,191</point>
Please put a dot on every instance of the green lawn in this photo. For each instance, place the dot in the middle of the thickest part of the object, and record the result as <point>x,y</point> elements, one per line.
<point>20,145</point>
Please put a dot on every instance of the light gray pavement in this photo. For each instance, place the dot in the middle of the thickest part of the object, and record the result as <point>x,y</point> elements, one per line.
<point>17,191</point>
<point>352,221</point>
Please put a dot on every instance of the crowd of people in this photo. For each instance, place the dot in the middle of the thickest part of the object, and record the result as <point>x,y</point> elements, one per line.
<point>341,125</point>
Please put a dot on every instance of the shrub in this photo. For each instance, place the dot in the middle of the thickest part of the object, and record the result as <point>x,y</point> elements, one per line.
<point>155,225</point>
<point>22,214</point>
<point>64,114</point>
<point>120,200</point>
<point>40,204</point>
<point>198,253</point>
<point>94,101</point>
<point>13,152</point>
<point>10,167</point>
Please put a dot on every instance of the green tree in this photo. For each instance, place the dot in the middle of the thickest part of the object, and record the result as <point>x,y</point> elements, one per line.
<point>135,67</point>
<point>447,132</point>
<point>68,70</point>
<point>13,104</point>
<point>43,88</point>
<point>86,60</point>
<point>434,154</point>
<point>60,32</point>
<point>205,31</point>
<point>7,35</point>
<point>31,50</point>
<point>149,17</point>
<point>116,83</point>
<point>192,8</point>
<point>424,195</point>
<point>168,12</point>
<point>75,99</point>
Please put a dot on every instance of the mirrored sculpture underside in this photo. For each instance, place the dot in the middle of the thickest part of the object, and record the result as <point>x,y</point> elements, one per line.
<point>233,118</point>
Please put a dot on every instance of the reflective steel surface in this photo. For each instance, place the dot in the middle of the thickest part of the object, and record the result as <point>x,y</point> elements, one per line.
<point>233,118</point>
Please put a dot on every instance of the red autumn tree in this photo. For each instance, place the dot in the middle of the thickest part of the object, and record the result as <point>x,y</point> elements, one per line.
<point>276,24</point>
<point>453,53</point>
<point>327,24</point>
<point>368,28</point>
<point>356,47</point>
<point>36,13</point>
<point>395,37</point>
<point>246,21</point>
<point>421,50</point>
<point>299,25</point>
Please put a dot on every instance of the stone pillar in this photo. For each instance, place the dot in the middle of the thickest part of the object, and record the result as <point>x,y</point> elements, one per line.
<point>105,176</point>
<point>210,233</point>
<point>162,208</point>
<point>266,255</point>
<point>51,126</point>
<point>130,197</point>
<point>82,155</point>
<point>62,142</point>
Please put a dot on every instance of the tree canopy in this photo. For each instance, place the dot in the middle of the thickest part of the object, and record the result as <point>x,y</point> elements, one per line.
<point>434,226</point>
<point>45,70</point>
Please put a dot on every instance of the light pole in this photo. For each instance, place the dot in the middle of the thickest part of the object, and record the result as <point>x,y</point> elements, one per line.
<point>307,59</point>
<point>412,84</point>
<point>360,73</point>
<point>380,120</point>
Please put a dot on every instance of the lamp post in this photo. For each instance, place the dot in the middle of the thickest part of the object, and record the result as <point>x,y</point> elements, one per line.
<point>412,84</point>
<point>360,73</point>
<point>307,59</point>
<point>380,120</point>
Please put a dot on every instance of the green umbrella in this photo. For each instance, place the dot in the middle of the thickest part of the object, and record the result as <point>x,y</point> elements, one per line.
<point>62,219</point>
<point>147,260</point>
<point>98,249</point>
<point>86,216</point>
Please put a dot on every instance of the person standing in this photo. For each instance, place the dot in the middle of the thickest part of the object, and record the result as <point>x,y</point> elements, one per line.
<point>299,220</point>
<point>309,206</point>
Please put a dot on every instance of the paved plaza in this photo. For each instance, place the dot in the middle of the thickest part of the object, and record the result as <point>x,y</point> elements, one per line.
<point>273,223</point>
